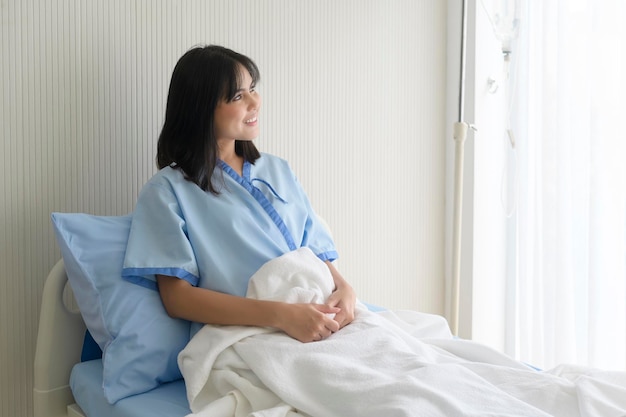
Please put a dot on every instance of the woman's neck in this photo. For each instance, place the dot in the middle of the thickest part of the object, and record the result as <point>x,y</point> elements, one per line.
<point>233,160</point>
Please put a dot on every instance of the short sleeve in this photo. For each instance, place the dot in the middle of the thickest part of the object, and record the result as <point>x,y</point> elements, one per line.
<point>158,242</point>
<point>318,238</point>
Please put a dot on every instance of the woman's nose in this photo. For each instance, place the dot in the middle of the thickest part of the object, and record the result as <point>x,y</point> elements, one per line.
<point>255,101</point>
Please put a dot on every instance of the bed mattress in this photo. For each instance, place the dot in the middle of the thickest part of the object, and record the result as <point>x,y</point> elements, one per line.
<point>86,382</point>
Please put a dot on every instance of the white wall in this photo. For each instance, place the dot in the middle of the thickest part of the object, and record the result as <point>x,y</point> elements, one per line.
<point>353,97</point>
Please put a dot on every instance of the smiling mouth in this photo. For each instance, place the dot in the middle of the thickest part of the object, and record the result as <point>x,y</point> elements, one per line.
<point>251,120</point>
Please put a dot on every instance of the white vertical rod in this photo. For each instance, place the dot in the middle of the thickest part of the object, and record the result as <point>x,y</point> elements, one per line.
<point>460,134</point>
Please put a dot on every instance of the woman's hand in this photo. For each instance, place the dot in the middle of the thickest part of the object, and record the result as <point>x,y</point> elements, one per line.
<point>308,322</point>
<point>343,297</point>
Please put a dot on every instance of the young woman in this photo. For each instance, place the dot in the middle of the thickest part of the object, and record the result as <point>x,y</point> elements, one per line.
<point>218,209</point>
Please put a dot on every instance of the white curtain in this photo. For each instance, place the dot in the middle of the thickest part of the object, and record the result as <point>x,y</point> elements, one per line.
<point>568,115</point>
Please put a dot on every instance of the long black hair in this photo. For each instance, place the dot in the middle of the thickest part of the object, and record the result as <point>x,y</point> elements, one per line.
<point>203,77</point>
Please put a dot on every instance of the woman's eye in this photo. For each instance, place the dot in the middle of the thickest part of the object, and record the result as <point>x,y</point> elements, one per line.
<point>237,97</point>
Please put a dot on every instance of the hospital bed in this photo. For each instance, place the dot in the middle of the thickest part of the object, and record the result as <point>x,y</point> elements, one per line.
<point>73,379</point>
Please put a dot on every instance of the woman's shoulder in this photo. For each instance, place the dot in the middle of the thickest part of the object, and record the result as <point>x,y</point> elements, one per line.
<point>169,186</point>
<point>167,180</point>
<point>167,176</point>
<point>269,160</point>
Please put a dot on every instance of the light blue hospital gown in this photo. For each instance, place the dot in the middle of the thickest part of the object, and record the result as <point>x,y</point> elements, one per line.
<point>219,242</point>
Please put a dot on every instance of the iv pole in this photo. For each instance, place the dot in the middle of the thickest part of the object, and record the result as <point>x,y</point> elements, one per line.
<point>459,134</point>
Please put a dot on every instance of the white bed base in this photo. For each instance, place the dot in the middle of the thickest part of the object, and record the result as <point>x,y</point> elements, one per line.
<point>59,345</point>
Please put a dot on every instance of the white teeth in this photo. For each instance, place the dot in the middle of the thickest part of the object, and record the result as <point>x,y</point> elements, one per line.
<point>251,120</point>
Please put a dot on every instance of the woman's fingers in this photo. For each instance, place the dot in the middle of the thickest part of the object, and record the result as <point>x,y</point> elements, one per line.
<point>310,322</point>
<point>344,298</point>
<point>324,324</point>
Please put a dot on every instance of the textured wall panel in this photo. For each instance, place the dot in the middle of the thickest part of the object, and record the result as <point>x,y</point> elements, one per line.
<point>353,98</point>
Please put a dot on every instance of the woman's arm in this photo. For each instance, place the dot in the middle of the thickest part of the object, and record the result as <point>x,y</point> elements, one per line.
<point>344,297</point>
<point>304,322</point>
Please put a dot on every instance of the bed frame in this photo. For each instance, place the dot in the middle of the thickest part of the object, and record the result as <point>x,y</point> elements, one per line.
<point>59,344</point>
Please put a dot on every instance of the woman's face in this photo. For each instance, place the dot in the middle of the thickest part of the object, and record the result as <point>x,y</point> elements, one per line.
<point>238,118</point>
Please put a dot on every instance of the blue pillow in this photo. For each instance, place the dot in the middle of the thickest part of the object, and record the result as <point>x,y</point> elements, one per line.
<point>140,342</point>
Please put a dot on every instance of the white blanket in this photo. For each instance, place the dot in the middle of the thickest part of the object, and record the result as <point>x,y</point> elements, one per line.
<point>388,364</point>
